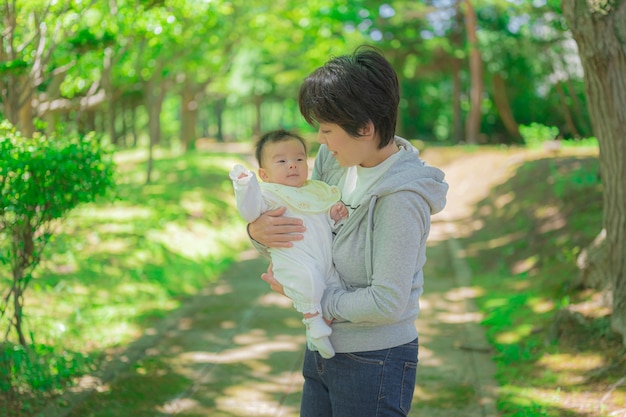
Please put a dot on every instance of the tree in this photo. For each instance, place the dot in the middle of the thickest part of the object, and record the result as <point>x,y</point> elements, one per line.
<point>41,42</point>
<point>41,180</point>
<point>599,28</point>
<point>472,124</point>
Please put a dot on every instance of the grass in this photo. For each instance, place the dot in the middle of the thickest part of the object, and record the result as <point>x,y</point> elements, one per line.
<point>116,267</point>
<point>523,257</point>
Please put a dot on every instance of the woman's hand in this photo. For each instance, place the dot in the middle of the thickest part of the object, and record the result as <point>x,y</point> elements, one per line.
<point>274,284</point>
<point>273,230</point>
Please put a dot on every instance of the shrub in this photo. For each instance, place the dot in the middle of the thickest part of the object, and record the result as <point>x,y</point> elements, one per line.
<point>41,180</point>
<point>536,134</point>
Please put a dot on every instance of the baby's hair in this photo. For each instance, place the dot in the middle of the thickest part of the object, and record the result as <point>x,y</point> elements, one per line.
<point>275,136</point>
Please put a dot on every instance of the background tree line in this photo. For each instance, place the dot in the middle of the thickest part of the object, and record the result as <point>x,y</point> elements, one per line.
<point>169,72</point>
<point>175,70</point>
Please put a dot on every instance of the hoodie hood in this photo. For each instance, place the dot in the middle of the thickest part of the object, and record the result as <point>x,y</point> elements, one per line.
<point>410,173</point>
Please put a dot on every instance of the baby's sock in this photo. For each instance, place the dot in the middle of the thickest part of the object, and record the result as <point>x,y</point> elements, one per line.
<point>317,327</point>
<point>319,331</point>
<point>324,347</point>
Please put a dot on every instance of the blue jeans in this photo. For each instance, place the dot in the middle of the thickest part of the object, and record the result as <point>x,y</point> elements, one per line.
<point>378,383</point>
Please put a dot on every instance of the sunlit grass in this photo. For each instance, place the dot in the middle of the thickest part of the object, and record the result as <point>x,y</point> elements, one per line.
<point>524,257</point>
<point>115,266</point>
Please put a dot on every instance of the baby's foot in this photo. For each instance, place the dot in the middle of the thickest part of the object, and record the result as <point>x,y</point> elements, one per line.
<point>324,347</point>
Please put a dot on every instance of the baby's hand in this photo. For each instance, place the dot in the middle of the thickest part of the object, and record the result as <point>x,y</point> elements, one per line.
<point>338,212</point>
<point>238,172</point>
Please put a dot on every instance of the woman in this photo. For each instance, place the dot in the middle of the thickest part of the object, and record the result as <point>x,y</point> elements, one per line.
<point>380,250</point>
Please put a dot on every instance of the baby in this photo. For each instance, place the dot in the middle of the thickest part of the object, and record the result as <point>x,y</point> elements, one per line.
<point>306,269</point>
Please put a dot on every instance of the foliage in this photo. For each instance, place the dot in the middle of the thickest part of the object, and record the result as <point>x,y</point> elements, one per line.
<point>116,267</point>
<point>29,375</point>
<point>41,179</point>
<point>536,134</point>
<point>237,65</point>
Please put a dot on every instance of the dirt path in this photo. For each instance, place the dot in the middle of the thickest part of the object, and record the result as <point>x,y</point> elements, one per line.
<point>236,349</point>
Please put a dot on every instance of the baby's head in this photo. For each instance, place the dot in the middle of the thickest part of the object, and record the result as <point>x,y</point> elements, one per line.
<point>282,158</point>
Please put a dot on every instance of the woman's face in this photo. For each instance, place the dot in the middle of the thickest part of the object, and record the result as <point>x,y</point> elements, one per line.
<point>348,150</point>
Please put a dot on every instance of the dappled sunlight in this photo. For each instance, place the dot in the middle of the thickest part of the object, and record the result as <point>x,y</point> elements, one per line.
<point>274,299</point>
<point>423,394</point>
<point>525,265</point>
<point>581,362</point>
<point>178,405</point>
<point>504,199</point>
<point>228,163</point>
<point>460,318</point>
<point>221,288</point>
<point>228,324</point>
<point>259,351</point>
<point>195,203</point>
<point>256,336</point>
<point>136,288</point>
<point>197,240</point>
<point>247,401</point>
<point>524,397</point>
<point>520,285</point>
<point>114,246</point>
<point>252,337</point>
<point>474,249</point>
<point>118,213</point>
<point>585,402</point>
<point>464,293</point>
<point>514,335</point>
<point>130,157</point>
<point>494,303</point>
<point>599,304</point>
<point>552,218</point>
<point>485,211</point>
<point>98,230</point>
<point>154,188</point>
<point>541,305</point>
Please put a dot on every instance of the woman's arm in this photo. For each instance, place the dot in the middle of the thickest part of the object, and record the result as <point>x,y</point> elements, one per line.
<point>273,230</point>
<point>398,254</point>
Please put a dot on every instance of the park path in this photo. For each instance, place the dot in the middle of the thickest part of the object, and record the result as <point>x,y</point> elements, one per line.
<point>236,349</point>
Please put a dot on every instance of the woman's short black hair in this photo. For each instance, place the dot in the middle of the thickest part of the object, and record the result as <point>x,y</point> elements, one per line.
<point>352,90</point>
<point>279,135</point>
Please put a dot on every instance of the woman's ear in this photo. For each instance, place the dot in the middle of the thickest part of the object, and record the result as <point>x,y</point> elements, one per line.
<point>367,131</point>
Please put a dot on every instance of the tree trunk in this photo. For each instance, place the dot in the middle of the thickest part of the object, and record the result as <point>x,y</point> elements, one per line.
<point>457,109</point>
<point>567,114</point>
<point>600,33</point>
<point>258,104</point>
<point>188,116</point>
<point>123,121</point>
<point>472,124</point>
<point>580,116</point>
<point>154,94</point>
<point>111,122</point>
<point>133,124</point>
<point>503,105</point>
<point>219,107</point>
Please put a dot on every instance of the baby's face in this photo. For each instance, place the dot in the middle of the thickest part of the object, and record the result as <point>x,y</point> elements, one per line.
<point>285,163</point>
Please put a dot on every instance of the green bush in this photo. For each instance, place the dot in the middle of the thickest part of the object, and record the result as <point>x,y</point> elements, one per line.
<point>41,180</point>
<point>536,134</point>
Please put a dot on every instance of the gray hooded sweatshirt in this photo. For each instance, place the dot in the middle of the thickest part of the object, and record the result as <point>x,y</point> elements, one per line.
<point>380,251</point>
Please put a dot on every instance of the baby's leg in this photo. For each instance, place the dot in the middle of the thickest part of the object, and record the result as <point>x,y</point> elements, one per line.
<point>304,285</point>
